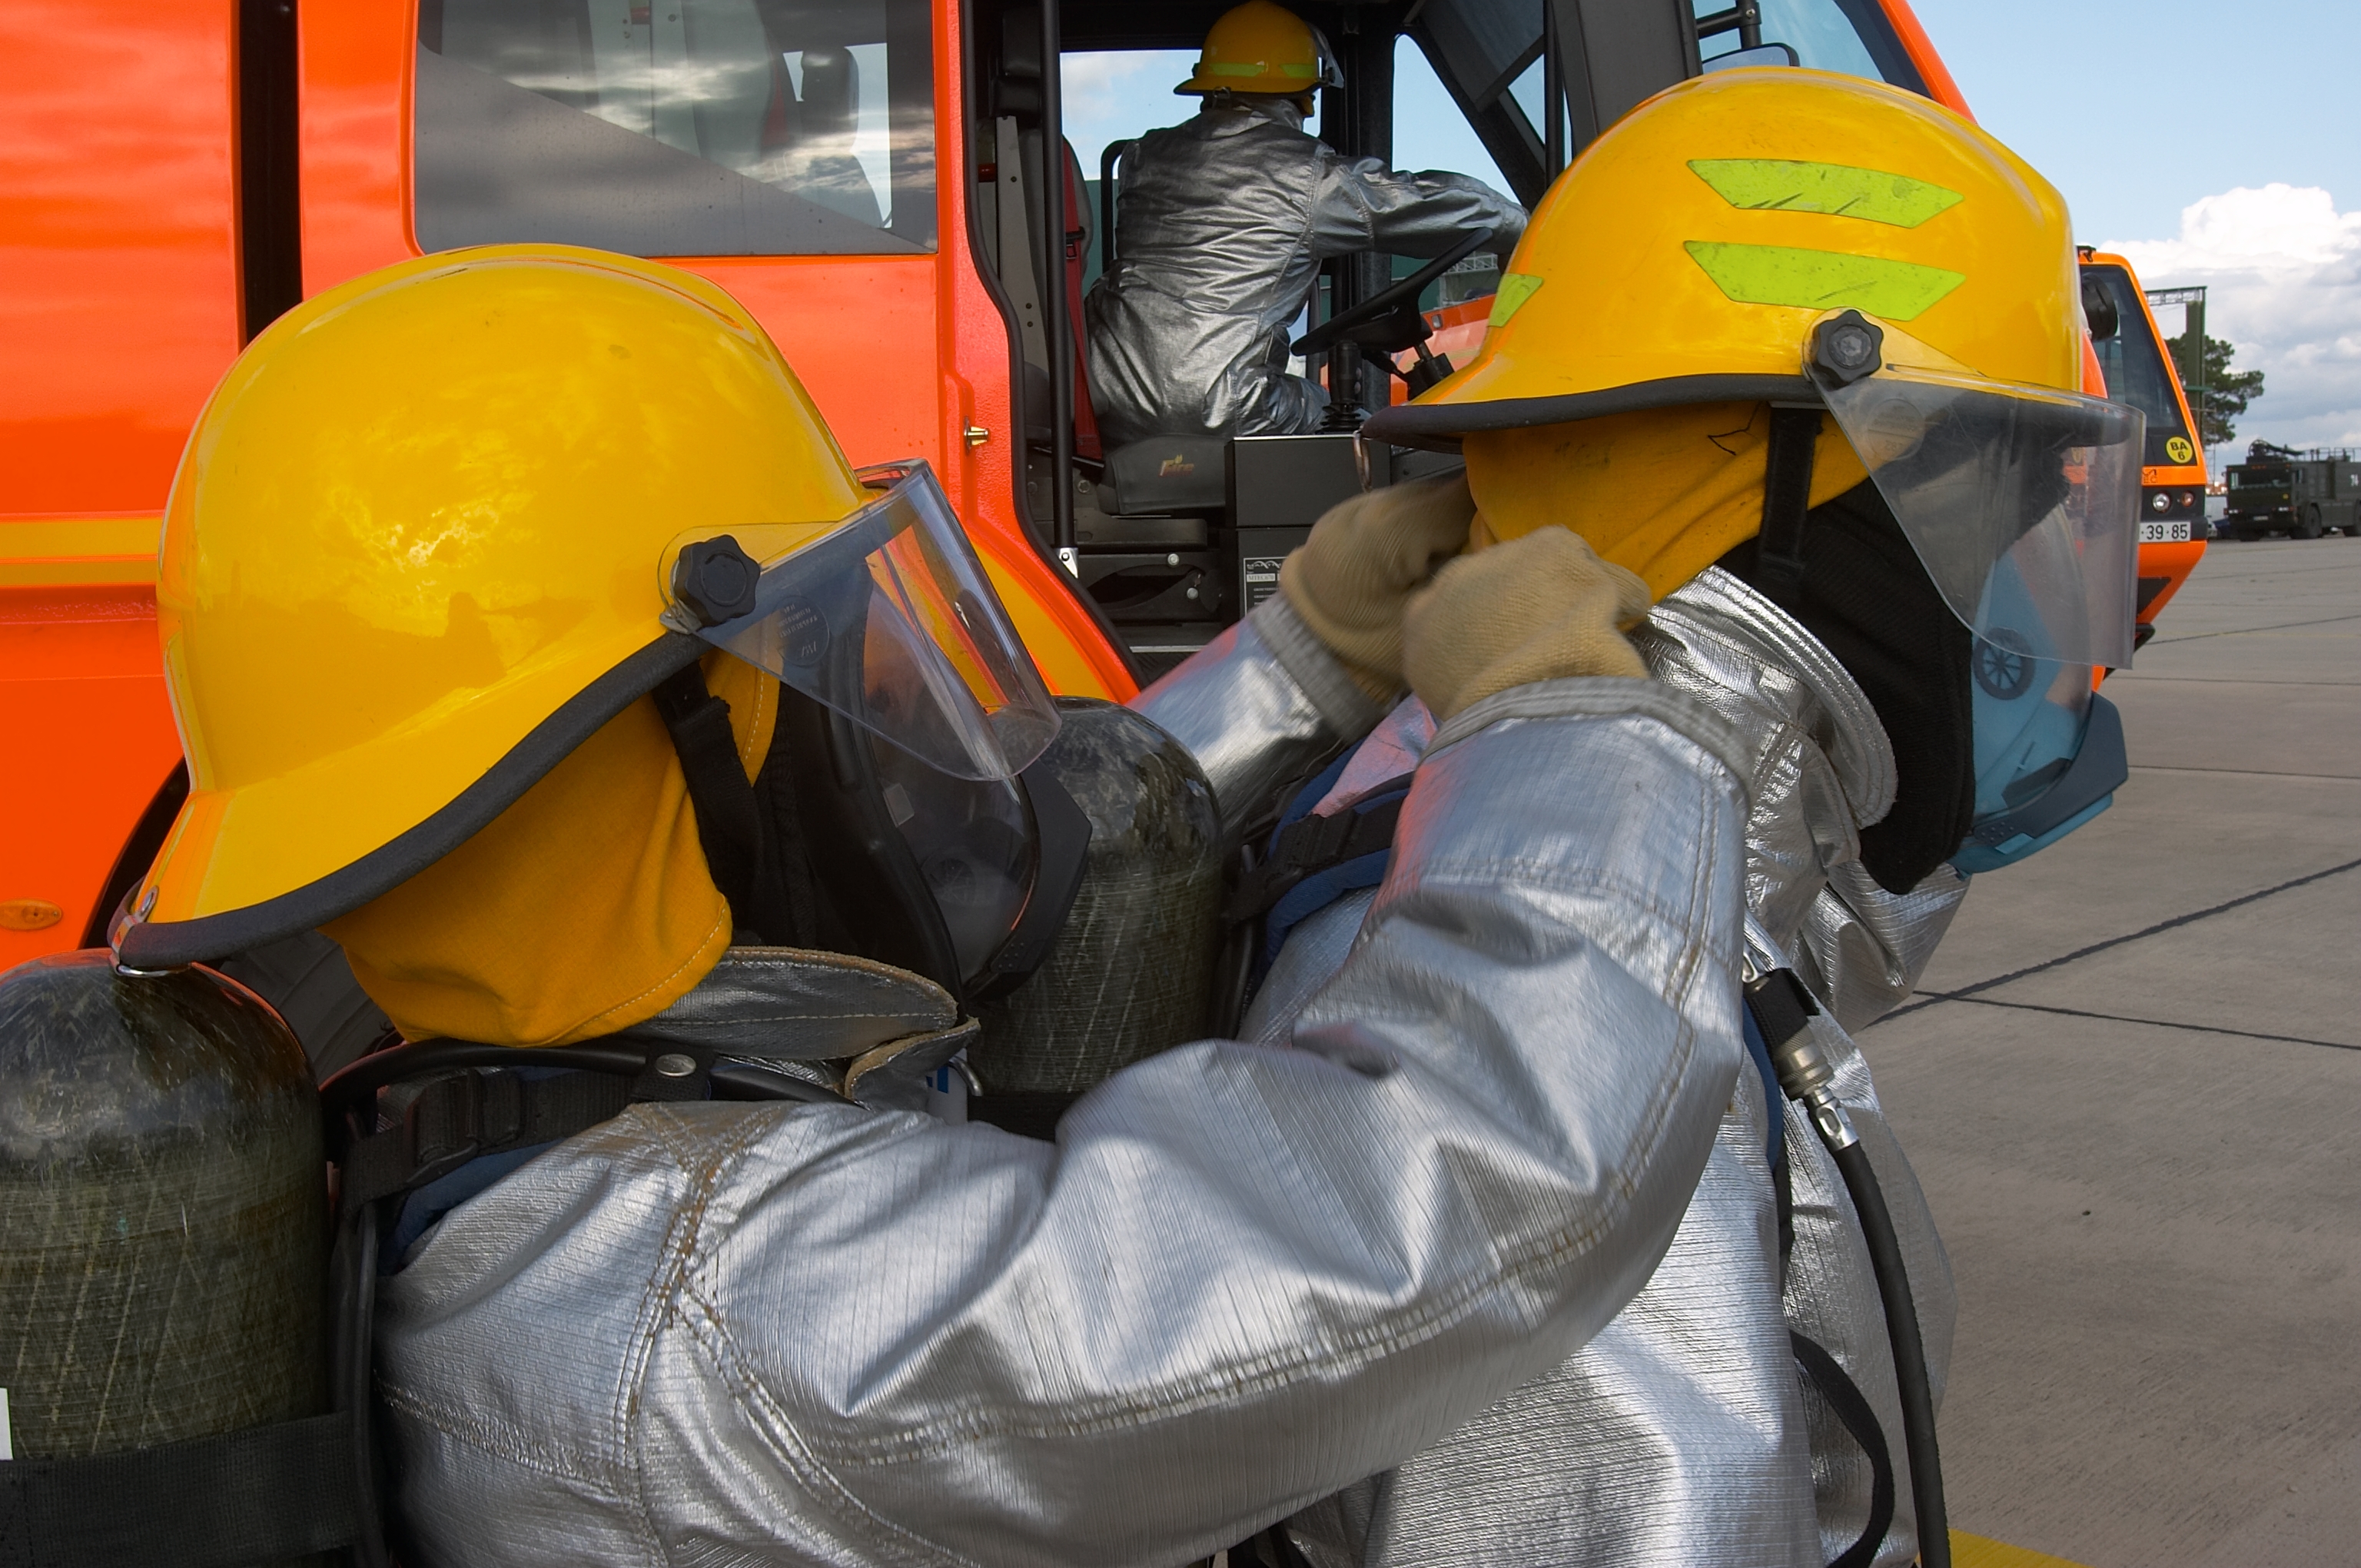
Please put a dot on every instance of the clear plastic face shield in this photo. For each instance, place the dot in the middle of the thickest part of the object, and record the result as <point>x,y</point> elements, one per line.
<point>887,618</point>
<point>2049,749</point>
<point>2022,503</point>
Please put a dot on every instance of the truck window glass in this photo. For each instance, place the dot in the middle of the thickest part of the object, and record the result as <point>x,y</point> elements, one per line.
<point>1485,46</point>
<point>2133,363</point>
<point>1491,53</point>
<point>681,127</point>
<point>1112,96</point>
<point>1848,36</point>
<point>1430,132</point>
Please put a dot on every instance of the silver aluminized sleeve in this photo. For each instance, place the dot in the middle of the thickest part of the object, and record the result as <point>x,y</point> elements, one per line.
<point>1257,707</point>
<point>1242,1278</point>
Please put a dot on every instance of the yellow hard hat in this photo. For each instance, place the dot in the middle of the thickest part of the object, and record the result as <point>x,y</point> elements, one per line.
<point>414,558</point>
<point>1687,254</point>
<point>1779,237</point>
<point>1670,287</point>
<point>1262,48</point>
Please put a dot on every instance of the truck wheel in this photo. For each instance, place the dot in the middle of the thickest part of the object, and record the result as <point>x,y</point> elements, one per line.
<point>2310,526</point>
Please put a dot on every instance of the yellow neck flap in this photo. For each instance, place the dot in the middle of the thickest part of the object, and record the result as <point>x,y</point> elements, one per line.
<point>582,909</point>
<point>1664,492</point>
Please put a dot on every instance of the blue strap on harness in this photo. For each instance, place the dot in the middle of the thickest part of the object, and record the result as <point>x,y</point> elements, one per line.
<point>1310,863</point>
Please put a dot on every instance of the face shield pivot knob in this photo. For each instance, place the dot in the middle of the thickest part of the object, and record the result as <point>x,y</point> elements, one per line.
<point>714,580</point>
<point>1846,348</point>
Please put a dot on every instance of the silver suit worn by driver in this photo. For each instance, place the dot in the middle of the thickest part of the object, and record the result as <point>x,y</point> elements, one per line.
<point>1223,221</point>
<point>1243,1277</point>
<point>1678,1435</point>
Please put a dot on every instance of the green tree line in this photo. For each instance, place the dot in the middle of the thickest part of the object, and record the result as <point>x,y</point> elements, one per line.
<point>2217,394</point>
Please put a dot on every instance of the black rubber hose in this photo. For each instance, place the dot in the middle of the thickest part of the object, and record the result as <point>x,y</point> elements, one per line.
<point>1852,1407</point>
<point>1909,1354</point>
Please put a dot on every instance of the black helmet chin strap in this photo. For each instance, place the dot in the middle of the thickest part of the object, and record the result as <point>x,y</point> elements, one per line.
<point>1786,503</point>
<point>732,825</point>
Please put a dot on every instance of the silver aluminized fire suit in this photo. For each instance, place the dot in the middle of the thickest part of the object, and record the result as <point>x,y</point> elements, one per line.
<point>1677,1435</point>
<point>1223,221</point>
<point>1243,1276</point>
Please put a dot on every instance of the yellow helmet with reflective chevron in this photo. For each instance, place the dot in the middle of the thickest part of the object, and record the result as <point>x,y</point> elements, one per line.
<point>1262,48</point>
<point>1687,256</point>
<point>1668,288</point>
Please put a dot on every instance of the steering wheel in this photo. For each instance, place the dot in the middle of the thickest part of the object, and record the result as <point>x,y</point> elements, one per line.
<point>1388,323</point>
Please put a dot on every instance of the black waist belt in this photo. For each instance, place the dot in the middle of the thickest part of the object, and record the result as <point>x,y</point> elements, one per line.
<point>261,1495</point>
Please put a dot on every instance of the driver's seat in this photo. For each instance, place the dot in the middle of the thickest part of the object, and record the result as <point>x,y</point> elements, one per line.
<point>1161,475</point>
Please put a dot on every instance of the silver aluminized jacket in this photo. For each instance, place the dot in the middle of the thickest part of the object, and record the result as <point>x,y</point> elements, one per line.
<point>1678,1435</point>
<point>1223,221</point>
<point>1244,1275</point>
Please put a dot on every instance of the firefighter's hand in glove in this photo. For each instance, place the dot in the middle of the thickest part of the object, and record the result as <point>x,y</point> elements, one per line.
<point>1536,608</point>
<point>1365,555</point>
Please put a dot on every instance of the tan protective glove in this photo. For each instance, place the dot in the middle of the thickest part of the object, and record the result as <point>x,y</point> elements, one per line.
<point>1351,577</point>
<point>1535,608</point>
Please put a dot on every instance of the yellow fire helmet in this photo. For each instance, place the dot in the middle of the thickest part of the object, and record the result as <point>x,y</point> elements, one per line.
<point>1689,252</point>
<point>1262,48</point>
<point>440,525</point>
<point>1748,249</point>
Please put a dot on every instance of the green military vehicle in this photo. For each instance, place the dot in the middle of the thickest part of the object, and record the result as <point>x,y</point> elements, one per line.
<point>2302,495</point>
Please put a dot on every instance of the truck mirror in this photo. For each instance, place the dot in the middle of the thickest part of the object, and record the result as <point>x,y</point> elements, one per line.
<point>1761,54</point>
<point>2099,309</point>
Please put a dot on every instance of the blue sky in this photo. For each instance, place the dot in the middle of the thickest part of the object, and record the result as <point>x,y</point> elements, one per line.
<point>2214,144</point>
<point>2136,108</point>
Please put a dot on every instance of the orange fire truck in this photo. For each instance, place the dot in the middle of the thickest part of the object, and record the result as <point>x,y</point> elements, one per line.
<point>883,183</point>
<point>2173,473</point>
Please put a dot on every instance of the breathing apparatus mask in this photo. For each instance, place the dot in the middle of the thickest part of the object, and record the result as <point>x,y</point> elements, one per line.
<point>2021,503</point>
<point>913,715</point>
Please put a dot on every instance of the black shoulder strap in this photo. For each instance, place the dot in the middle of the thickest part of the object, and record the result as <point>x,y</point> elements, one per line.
<point>1786,500</point>
<point>485,1100</point>
<point>467,1116</point>
<point>1310,845</point>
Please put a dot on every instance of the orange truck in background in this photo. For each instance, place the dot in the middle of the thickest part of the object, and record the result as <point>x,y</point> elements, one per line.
<point>2172,472</point>
<point>872,178</point>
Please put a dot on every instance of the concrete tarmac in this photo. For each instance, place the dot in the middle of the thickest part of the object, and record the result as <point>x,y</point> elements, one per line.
<point>2131,1083</point>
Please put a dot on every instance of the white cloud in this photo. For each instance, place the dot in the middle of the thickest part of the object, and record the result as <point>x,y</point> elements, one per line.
<point>2282,272</point>
<point>1115,95</point>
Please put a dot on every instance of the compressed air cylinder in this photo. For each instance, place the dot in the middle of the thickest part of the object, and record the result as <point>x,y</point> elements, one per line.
<point>162,1208</point>
<point>1132,970</point>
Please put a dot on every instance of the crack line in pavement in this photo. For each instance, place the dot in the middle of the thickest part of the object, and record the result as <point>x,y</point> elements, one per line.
<point>2242,772</point>
<point>1964,993</point>
<point>2242,630</point>
<point>2153,1023</point>
<point>2146,678</point>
